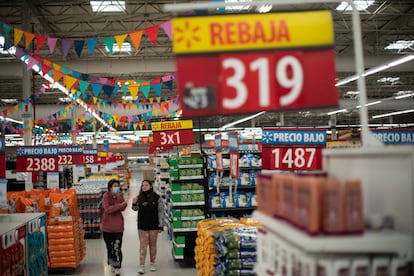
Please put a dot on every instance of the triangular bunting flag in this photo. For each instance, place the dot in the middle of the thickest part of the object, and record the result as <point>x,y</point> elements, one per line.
<point>91,45</point>
<point>65,70</point>
<point>133,90</point>
<point>157,88</point>
<point>120,40</point>
<point>51,42</point>
<point>96,89</point>
<point>145,89</point>
<point>19,53</point>
<point>169,84</point>
<point>83,85</point>
<point>57,75</point>
<point>109,43</point>
<point>28,37</point>
<point>18,34</point>
<point>136,39</point>
<point>40,40</point>
<point>6,29</point>
<point>78,44</point>
<point>66,44</point>
<point>103,80</point>
<point>75,74</point>
<point>45,69</point>
<point>69,81</point>
<point>152,33</point>
<point>84,76</point>
<point>166,26</point>
<point>32,62</point>
<point>108,90</point>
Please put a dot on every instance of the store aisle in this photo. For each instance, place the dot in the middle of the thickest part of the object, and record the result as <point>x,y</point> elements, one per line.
<point>95,260</point>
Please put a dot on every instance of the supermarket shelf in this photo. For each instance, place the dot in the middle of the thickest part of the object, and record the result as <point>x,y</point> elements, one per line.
<point>186,192</point>
<point>195,203</point>
<point>177,257</point>
<point>226,187</point>
<point>193,218</point>
<point>232,209</point>
<point>369,242</point>
<point>178,245</point>
<point>190,166</point>
<point>191,177</point>
<point>250,168</point>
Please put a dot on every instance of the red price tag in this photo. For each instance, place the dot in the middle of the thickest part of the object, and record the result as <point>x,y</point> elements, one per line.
<point>219,161</point>
<point>37,164</point>
<point>234,165</point>
<point>90,159</point>
<point>252,82</point>
<point>68,159</point>
<point>173,137</point>
<point>292,158</point>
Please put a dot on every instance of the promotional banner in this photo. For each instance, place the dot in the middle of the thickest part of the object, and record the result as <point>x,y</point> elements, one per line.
<point>70,155</point>
<point>219,153</point>
<point>173,133</point>
<point>255,62</point>
<point>234,155</point>
<point>37,159</point>
<point>395,136</point>
<point>292,149</point>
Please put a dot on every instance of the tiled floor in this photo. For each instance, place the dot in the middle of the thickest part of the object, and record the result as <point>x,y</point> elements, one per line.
<point>94,262</point>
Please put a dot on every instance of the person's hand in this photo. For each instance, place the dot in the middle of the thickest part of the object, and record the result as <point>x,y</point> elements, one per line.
<point>134,200</point>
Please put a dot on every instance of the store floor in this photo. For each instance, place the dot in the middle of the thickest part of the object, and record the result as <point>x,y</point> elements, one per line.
<point>95,261</point>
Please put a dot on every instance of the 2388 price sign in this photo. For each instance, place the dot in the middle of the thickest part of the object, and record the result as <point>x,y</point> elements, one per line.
<point>41,164</point>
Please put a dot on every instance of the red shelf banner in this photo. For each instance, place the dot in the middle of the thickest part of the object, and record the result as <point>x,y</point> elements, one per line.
<point>37,159</point>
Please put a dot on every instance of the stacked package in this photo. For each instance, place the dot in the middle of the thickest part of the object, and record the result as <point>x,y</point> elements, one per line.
<point>66,244</point>
<point>226,246</point>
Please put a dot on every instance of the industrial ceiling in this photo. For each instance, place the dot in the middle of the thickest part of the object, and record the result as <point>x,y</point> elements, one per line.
<point>382,22</point>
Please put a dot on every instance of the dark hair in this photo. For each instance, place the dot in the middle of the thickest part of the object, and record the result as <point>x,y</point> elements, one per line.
<point>112,182</point>
<point>149,196</point>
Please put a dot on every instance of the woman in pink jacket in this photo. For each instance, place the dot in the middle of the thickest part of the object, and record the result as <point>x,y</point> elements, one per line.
<point>113,203</point>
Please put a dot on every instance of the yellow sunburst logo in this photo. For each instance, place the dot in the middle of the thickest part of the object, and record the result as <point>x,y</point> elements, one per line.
<point>187,34</point>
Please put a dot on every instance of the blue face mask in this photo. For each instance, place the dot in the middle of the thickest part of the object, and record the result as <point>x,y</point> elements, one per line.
<point>115,190</point>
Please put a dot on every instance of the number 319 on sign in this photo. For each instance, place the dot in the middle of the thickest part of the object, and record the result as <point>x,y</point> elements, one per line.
<point>292,158</point>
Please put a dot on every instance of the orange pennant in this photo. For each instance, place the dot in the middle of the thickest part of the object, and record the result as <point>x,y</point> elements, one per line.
<point>28,37</point>
<point>136,39</point>
<point>57,75</point>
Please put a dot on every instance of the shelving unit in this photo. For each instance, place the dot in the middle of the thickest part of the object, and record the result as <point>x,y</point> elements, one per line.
<point>89,200</point>
<point>186,204</point>
<point>244,186</point>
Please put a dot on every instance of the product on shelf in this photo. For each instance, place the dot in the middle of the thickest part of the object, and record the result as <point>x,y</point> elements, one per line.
<point>226,246</point>
<point>313,204</point>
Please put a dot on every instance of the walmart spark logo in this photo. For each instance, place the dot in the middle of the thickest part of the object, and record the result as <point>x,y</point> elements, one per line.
<point>187,34</point>
<point>267,137</point>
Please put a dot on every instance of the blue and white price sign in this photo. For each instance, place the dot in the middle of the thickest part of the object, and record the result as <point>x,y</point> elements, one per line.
<point>37,159</point>
<point>390,136</point>
<point>293,137</point>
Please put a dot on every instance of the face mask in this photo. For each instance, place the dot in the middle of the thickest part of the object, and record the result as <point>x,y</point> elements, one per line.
<point>115,190</point>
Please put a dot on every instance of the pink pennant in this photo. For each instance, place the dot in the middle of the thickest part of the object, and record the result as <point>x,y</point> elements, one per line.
<point>52,44</point>
<point>167,28</point>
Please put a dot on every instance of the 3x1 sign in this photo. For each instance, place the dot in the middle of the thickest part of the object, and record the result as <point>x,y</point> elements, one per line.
<point>173,137</point>
<point>240,82</point>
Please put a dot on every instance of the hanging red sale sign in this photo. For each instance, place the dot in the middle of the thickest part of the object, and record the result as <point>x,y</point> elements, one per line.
<point>173,137</point>
<point>252,82</point>
<point>90,156</point>
<point>70,155</point>
<point>287,71</point>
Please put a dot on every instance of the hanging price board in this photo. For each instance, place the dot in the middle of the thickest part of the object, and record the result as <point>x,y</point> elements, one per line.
<point>219,153</point>
<point>234,155</point>
<point>173,133</point>
<point>90,156</point>
<point>70,155</point>
<point>37,159</point>
<point>292,149</point>
<point>232,78</point>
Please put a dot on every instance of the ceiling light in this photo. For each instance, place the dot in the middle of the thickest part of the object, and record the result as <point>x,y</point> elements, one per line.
<point>352,93</point>
<point>360,5</point>
<point>108,6</point>
<point>129,98</point>
<point>388,80</point>
<point>264,8</point>
<point>9,101</point>
<point>65,100</point>
<point>400,45</point>
<point>242,120</point>
<point>337,111</point>
<point>238,7</point>
<point>393,113</point>
<point>403,94</point>
<point>371,103</point>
